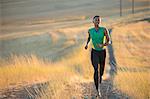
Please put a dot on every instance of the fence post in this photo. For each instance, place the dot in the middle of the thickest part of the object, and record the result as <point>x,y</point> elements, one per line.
<point>132,6</point>
<point>120,7</point>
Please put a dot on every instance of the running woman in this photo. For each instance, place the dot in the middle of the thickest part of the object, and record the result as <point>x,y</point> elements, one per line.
<point>98,52</point>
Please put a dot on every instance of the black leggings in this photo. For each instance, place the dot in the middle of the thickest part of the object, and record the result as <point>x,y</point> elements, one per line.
<point>98,57</point>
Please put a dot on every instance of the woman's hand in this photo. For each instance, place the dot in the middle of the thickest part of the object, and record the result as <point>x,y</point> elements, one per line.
<point>100,45</point>
<point>86,46</point>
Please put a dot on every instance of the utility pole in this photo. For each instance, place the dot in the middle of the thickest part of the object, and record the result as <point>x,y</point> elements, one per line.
<point>132,6</point>
<point>120,7</point>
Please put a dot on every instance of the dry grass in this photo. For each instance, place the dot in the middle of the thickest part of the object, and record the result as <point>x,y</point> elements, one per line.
<point>28,70</point>
<point>132,51</point>
<point>131,44</point>
<point>135,84</point>
<point>66,73</point>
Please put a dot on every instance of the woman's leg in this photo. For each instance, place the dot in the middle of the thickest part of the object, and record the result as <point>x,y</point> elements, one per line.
<point>102,63</point>
<point>95,61</point>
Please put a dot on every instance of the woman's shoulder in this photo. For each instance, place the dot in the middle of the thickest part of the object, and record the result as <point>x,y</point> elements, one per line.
<point>103,27</point>
<point>91,29</point>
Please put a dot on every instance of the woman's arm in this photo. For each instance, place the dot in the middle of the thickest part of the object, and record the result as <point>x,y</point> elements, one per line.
<point>107,38</point>
<point>88,40</point>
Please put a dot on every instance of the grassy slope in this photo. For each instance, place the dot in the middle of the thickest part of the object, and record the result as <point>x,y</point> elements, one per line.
<point>131,44</point>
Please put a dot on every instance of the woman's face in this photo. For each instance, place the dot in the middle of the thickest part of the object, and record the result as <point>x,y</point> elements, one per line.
<point>96,21</point>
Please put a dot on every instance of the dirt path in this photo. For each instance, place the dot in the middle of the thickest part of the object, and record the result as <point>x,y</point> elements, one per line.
<point>108,91</point>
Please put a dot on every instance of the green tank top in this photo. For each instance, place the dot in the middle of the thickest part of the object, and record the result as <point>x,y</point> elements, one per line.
<point>97,37</point>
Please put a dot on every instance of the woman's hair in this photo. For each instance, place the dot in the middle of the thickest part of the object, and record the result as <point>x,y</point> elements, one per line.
<point>97,16</point>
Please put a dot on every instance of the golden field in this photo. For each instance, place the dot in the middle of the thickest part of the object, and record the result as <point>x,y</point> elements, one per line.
<point>62,42</point>
<point>132,50</point>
